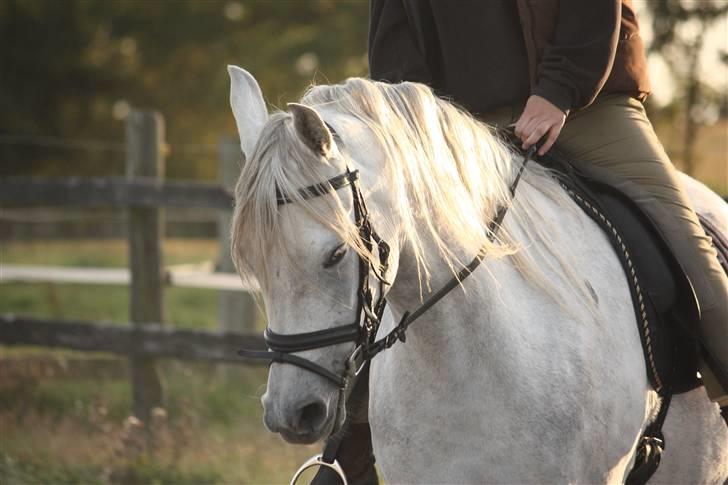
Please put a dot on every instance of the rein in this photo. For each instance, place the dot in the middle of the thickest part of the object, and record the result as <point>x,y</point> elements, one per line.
<point>399,332</point>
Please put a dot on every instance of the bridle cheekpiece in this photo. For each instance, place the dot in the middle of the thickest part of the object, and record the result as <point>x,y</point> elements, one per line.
<point>368,312</point>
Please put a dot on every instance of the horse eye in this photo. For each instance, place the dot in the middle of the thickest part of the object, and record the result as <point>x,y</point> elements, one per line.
<point>336,256</point>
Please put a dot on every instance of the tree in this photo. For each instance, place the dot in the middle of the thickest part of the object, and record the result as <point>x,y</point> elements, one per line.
<point>72,68</point>
<point>679,29</point>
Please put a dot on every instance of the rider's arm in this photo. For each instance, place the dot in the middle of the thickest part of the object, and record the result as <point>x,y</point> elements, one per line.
<point>572,71</point>
<point>393,52</point>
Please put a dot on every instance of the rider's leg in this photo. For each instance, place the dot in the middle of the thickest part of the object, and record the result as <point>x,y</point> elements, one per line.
<point>613,138</point>
<point>356,457</point>
<point>353,450</point>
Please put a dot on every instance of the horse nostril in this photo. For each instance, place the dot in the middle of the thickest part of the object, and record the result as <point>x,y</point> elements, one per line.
<point>311,417</point>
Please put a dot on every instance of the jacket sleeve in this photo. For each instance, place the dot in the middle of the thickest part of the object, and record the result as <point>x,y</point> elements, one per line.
<point>393,53</point>
<point>573,70</point>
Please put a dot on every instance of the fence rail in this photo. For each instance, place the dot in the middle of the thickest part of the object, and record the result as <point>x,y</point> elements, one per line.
<point>144,194</point>
<point>149,340</point>
<point>185,278</point>
<point>111,192</point>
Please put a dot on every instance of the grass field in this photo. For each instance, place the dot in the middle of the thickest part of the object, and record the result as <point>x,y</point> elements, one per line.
<point>74,427</point>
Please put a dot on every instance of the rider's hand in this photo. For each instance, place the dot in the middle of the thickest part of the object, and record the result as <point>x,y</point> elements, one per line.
<point>539,118</point>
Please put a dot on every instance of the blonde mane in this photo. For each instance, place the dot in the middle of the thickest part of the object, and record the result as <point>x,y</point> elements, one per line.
<point>448,172</point>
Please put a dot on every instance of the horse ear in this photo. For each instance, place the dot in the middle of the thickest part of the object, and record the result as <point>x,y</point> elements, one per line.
<point>311,129</point>
<point>248,107</point>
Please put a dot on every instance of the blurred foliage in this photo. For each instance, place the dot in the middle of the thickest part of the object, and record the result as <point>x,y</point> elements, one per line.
<point>680,29</point>
<point>667,15</point>
<point>72,69</point>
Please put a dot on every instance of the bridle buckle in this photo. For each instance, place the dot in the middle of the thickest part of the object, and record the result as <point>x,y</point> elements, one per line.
<point>356,361</point>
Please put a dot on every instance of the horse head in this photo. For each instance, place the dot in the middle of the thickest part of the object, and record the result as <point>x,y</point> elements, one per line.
<point>305,252</point>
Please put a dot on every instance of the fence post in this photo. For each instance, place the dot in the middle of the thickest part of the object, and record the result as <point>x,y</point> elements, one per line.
<point>237,311</point>
<point>144,158</point>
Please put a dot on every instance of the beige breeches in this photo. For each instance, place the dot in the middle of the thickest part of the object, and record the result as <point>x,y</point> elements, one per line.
<point>613,141</point>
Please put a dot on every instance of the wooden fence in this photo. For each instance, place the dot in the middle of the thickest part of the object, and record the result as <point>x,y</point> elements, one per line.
<point>144,194</point>
<point>148,341</point>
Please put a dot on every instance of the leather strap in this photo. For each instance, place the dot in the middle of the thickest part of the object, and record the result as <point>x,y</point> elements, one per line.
<point>368,313</point>
<point>311,340</point>
<point>399,332</point>
<point>323,188</point>
<point>292,359</point>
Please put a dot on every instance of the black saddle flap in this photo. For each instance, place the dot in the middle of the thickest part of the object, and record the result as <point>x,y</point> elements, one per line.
<point>669,300</point>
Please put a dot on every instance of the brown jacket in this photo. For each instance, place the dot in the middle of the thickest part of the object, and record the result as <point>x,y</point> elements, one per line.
<point>485,54</point>
<point>626,69</point>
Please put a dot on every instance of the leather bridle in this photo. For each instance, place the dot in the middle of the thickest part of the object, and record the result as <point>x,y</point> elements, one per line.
<point>369,310</point>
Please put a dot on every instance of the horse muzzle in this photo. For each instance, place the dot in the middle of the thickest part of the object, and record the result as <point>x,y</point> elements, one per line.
<point>301,421</point>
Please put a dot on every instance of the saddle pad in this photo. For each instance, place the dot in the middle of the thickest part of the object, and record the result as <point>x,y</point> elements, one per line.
<point>720,242</point>
<point>662,296</point>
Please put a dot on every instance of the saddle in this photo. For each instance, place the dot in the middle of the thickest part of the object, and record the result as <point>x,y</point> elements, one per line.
<point>664,300</point>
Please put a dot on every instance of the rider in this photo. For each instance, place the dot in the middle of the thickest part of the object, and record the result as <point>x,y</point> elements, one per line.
<point>575,73</point>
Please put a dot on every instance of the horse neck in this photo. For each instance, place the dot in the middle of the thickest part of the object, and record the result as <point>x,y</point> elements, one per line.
<point>473,325</point>
<point>409,289</point>
<point>410,286</point>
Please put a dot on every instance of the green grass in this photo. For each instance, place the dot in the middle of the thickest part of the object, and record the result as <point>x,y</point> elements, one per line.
<point>183,307</point>
<point>221,394</point>
<point>76,431</point>
<point>70,429</point>
<point>101,253</point>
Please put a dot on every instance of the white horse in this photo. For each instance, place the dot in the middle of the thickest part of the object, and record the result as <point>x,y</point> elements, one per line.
<point>530,372</point>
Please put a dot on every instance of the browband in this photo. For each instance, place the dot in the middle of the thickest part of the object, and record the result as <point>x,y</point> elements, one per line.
<point>322,188</point>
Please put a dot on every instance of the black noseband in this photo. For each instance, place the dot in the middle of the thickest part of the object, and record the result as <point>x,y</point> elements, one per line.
<point>311,340</point>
